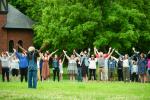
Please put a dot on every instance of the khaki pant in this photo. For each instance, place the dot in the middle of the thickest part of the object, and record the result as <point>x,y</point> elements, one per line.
<point>101,74</point>
<point>126,74</point>
<point>38,74</point>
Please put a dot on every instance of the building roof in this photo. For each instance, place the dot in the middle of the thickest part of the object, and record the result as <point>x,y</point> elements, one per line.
<point>16,19</point>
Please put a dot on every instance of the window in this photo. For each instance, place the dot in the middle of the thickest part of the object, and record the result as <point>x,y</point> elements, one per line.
<point>20,42</point>
<point>11,46</point>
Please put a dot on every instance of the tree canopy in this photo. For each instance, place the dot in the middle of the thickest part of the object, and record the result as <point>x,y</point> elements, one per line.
<point>69,24</point>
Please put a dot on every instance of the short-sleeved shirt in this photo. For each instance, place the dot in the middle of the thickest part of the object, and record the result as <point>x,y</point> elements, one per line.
<point>101,62</point>
<point>32,60</point>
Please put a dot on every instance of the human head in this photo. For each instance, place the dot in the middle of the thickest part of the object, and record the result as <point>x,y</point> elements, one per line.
<point>14,57</point>
<point>72,56</point>
<point>31,49</point>
<point>126,56</point>
<point>60,60</point>
<point>101,54</point>
<point>85,52</point>
<point>142,55</point>
<point>56,56</point>
<point>45,54</point>
<point>92,57</point>
<point>4,54</point>
<point>120,58</point>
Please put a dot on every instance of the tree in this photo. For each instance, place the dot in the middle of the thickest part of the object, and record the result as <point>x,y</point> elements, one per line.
<point>71,24</point>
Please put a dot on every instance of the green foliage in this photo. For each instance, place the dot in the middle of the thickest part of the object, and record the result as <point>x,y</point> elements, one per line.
<point>69,24</point>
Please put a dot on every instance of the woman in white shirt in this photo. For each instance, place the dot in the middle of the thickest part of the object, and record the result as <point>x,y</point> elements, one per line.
<point>126,69</point>
<point>92,67</point>
<point>14,65</point>
<point>5,58</point>
<point>134,71</point>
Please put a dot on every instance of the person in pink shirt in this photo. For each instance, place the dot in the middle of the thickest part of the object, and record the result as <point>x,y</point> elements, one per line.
<point>148,65</point>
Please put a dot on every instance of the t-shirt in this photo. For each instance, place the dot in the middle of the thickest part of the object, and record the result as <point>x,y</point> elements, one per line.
<point>14,64</point>
<point>134,69</point>
<point>55,63</point>
<point>106,63</point>
<point>126,63</point>
<point>4,61</point>
<point>32,60</point>
<point>101,62</point>
<point>111,63</point>
<point>38,63</point>
<point>148,64</point>
<point>92,63</point>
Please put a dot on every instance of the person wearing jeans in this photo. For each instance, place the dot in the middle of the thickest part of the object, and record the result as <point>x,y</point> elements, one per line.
<point>55,67</point>
<point>32,55</point>
<point>79,70</point>
<point>84,59</point>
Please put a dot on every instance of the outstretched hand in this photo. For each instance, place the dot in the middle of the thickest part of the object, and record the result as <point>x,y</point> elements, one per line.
<point>110,48</point>
<point>133,49</point>
<point>14,50</point>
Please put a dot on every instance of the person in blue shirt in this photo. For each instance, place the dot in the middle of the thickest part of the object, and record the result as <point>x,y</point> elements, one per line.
<point>111,68</point>
<point>55,65</point>
<point>23,65</point>
<point>32,55</point>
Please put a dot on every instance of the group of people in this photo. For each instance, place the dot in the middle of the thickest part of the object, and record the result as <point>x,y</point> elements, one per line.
<point>34,65</point>
<point>135,68</point>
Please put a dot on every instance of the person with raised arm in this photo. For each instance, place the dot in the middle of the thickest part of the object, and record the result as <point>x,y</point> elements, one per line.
<point>92,67</point>
<point>32,55</point>
<point>141,63</point>
<point>148,65</point>
<point>14,65</point>
<point>45,65</point>
<point>72,66</point>
<point>119,67</point>
<point>79,67</point>
<point>23,63</point>
<point>111,68</point>
<point>106,66</point>
<point>126,67</point>
<point>55,65</point>
<point>61,61</point>
<point>103,63</point>
<point>5,58</point>
<point>84,60</point>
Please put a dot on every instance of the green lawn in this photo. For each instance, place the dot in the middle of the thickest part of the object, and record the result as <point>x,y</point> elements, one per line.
<point>66,90</point>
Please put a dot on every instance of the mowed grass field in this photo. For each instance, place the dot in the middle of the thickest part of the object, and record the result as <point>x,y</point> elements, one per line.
<point>67,90</point>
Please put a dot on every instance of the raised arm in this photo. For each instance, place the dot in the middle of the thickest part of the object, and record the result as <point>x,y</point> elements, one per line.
<point>118,53</point>
<point>12,54</point>
<point>89,50</point>
<point>63,60</point>
<point>135,51</point>
<point>66,55</point>
<point>95,51</point>
<point>8,53</point>
<point>110,54</point>
<point>53,53</point>
<point>115,58</point>
<point>109,50</point>
<point>41,55</point>
<point>24,50</point>
<point>76,53</point>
